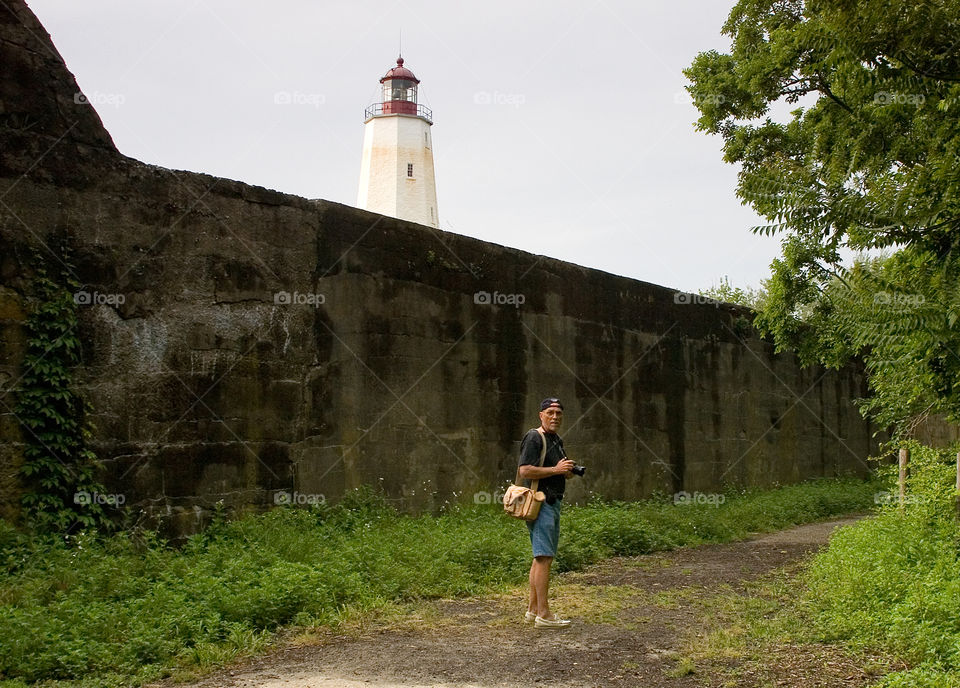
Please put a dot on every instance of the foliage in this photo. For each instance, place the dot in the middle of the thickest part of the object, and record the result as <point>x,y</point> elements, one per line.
<point>742,296</point>
<point>59,470</point>
<point>115,610</point>
<point>892,582</point>
<point>898,314</point>
<point>866,160</point>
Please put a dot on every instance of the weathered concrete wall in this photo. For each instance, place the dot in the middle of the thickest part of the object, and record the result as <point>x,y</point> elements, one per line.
<point>206,386</point>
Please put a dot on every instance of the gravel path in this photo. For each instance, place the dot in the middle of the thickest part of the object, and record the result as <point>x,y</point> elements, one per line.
<point>631,618</point>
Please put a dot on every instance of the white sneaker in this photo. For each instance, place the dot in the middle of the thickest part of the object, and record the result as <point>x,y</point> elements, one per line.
<point>553,622</point>
<point>528,617</point>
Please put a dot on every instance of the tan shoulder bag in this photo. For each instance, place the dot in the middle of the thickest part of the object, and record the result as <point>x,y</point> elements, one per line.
<point>524,502</point>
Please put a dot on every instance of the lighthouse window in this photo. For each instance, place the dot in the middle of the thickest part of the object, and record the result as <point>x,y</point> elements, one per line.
<point>399,89</point>
<point>410,169</point>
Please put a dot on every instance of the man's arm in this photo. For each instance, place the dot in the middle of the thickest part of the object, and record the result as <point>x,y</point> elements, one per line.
<point>529,472</point>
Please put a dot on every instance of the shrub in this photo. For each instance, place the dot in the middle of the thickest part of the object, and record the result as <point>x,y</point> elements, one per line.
<point>892,582</point>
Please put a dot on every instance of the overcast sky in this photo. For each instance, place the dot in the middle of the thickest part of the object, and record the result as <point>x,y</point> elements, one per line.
<point>561,128</point>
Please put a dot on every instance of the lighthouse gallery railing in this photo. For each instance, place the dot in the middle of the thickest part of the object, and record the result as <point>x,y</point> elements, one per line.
<point>377,109</point>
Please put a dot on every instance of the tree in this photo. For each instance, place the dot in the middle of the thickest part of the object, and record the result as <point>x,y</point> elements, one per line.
<point>742,296</point>
<point>868,160</point>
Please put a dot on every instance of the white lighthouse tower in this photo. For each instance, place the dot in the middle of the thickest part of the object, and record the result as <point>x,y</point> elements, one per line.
<point>396,171</point>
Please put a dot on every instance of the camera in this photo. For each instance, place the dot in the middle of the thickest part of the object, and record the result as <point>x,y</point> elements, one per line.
<point>578,470</point>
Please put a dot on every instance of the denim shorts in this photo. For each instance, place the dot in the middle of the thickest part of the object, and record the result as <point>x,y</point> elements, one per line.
<point>545,531</point>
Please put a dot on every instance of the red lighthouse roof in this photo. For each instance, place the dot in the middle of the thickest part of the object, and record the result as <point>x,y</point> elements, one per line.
<point>400,72</point>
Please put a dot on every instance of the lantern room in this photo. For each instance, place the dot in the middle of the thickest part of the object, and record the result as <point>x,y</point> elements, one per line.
<point>400,90</point>
<point>399,95</point>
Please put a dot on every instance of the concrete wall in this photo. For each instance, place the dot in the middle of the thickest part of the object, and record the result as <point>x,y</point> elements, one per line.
<point>267,344</point>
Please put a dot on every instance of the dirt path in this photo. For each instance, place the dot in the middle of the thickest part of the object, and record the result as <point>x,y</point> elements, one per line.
<point>633,620</point>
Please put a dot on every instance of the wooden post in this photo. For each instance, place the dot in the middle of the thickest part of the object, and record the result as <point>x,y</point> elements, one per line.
<point>904,459</point>
<point>957,497</point>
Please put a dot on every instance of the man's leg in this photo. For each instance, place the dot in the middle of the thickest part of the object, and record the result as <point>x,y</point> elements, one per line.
<point>540,586</point>
<point>532,607</point>
<point>544,534</point>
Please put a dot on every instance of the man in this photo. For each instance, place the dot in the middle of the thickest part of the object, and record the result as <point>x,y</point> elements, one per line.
<point>545,531</point>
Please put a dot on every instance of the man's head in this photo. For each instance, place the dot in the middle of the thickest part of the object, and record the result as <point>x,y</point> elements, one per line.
<point>551,414</point>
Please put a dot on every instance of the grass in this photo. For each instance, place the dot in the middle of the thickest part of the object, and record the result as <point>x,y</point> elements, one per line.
<point>685,666</point>
<point>884,595</point>
<point>763,635</point>
<point>893,582</point>
<point>128,609</point>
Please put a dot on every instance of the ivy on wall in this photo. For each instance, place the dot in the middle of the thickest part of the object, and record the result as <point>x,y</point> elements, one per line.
<point>59,470</point>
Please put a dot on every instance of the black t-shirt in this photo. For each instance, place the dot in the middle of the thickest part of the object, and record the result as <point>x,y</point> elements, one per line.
<point>530,447</point>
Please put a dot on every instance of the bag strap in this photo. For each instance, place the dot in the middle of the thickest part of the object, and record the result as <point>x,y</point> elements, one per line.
<point>543,455</point>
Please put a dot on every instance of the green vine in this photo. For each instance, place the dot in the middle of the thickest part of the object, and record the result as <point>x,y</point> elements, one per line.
<point>59,469</point>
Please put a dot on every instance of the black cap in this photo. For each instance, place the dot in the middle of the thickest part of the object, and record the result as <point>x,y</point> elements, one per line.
<point>550,401</point>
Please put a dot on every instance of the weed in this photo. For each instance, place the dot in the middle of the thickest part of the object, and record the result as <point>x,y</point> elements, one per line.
<point>684,667</point>
<point>127,609</point>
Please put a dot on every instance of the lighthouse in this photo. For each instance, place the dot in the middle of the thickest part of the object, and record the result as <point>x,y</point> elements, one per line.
<point>396,170</point>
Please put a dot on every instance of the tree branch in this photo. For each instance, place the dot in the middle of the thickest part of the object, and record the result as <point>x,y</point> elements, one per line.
<point>900,57</point>
<point>825,89</point>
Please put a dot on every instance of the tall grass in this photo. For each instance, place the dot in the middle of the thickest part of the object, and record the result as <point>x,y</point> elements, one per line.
<point>893,582</point>
<point>126,609</point>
